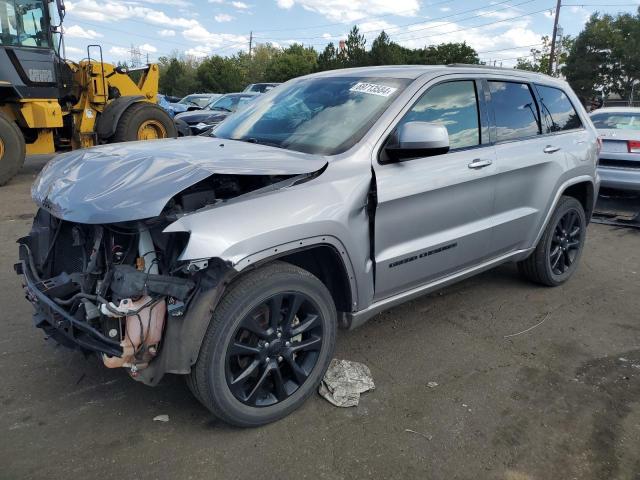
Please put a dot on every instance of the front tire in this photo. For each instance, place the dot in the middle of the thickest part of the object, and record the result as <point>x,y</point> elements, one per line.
<point>12,149</point>
<point>144,121</point>
<point>558,252</point>
<point>268,345</point>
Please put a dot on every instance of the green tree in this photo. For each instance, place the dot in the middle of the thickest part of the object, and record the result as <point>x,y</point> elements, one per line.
<point>294,61</point>
<point>255,66</point>
<point>604,58</point>
<point>221,74</point>
<point>385,52</point>
<point>355,52</point>
<point>538,61</point>
<point>177,75</point>
<point>328,59</point>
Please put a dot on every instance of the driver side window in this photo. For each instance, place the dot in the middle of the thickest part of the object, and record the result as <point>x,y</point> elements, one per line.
<point>454,105</point>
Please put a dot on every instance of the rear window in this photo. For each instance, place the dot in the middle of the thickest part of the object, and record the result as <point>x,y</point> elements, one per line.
<point>617,121</point>
<point>516,112</point>
<point>557,111</point>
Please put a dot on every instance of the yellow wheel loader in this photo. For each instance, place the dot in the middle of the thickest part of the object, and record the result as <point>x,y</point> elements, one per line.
<point>48,104</point>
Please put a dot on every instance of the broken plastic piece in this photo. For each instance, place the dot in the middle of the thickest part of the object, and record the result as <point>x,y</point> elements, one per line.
<point>345,381</point>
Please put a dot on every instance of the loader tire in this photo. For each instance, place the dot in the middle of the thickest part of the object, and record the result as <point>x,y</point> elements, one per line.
<point>12,149</point>
<point>144,121</point>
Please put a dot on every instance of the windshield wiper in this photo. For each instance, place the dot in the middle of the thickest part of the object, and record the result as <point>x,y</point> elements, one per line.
<point>259,142</point>
<point>221,108</point>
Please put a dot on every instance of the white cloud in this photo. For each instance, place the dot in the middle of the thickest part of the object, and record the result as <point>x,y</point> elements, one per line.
<point>119,51</point>
<point>240,5</point>
<point>173,3</point>
<point>167,33</point>
<point>211,40</point>
<point>445,9</point>
<point>223,17</point>
<point>199,51</point>
<point>76,31</point>
<point>352,10</point>
<point>115,10</point>
<point>500,40</point>
<point>70,49</point>
<point>146,48</point>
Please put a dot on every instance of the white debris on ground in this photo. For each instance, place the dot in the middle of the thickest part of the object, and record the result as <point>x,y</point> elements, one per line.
<point>345,381</point>
<point>432,384</point>
<point>161,418</point>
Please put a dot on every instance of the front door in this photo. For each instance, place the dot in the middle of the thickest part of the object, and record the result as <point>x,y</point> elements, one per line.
<point>433,214</point>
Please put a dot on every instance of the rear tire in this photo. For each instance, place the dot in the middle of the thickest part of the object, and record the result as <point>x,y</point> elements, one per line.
<point>558,252</point>
<point>256,367</point>
<point>144,121</point>
<point>12,149</point>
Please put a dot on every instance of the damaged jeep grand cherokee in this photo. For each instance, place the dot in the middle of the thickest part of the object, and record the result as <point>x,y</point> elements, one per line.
<point>232,259</point>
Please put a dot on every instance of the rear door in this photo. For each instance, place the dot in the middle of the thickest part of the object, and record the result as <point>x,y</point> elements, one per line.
<point>433,213</point>
<point>538,136</point>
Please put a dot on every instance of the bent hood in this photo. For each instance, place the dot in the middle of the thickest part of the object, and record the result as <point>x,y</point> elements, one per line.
<point>203,116</point>
<point>131,181</point>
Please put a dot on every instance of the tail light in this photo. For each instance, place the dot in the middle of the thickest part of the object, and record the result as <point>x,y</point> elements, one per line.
<point>599,145</point>
<point>633,146</point>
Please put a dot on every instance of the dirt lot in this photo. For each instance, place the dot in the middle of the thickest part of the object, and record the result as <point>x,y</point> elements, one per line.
<point>561,401</point>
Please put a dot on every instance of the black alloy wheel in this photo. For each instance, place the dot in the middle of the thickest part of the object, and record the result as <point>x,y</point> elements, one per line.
<point>274,349</point>
<point>267,346</point>
<point>556,256</point>
<point>566,242</point>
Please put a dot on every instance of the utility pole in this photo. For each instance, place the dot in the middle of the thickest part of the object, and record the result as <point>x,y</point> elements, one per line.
<point>552,55</point>
<point>250,43</point>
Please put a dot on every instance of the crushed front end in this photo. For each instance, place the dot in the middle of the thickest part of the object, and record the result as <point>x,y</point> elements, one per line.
<point>108,289</point>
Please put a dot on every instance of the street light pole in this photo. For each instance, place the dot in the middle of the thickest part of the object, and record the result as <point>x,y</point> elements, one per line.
<point>552,55</point>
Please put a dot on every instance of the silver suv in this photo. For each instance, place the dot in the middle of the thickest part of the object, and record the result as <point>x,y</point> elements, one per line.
<point>232,259</point>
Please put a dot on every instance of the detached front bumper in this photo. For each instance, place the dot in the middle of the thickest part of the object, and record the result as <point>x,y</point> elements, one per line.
<point>620,178</point>
<point>53,318</point>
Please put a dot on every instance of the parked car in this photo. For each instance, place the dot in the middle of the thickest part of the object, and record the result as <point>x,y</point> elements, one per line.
<point>197,101</point>
<point>233,258</point>
<point>171,108</point>
<point>260,87</point>
<point>619,129</point>
<point>198,121</point>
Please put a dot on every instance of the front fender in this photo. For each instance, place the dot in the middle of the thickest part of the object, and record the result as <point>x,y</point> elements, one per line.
<point>268,225</point>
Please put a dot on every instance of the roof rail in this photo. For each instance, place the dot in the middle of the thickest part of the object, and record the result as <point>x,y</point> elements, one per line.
<point>473,65</point>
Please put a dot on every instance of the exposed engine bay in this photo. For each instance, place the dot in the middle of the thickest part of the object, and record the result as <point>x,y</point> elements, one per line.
<point>112,288</point>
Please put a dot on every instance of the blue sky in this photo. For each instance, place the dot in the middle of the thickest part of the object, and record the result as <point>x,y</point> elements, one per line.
<point>499,30</point>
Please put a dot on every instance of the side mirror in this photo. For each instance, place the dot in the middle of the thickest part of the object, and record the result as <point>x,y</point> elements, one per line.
<point>418,139</point>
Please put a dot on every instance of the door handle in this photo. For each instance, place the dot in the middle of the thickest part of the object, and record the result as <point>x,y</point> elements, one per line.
<point>550,149</point>
<point>479,163</point>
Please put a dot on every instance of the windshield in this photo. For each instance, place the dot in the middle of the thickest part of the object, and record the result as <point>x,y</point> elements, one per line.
<point>199,100</point>
<point>23,23</point>
<point>617,121</point>
<point>324,116</point>
<point>230,103</point>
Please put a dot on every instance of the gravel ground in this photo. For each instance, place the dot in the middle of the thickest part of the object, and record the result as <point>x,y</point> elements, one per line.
<point>561,401</point>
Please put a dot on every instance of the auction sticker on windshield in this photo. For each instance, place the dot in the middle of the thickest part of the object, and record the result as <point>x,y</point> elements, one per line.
<point>373,89</point>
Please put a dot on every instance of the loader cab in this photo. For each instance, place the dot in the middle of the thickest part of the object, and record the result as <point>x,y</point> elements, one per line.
<point>30,64</point>
<point>25,23</point>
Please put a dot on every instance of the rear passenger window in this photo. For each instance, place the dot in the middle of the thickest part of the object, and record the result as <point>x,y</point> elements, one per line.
<point>557,111</point>
<point>515,110</point>
<point>454,105</point>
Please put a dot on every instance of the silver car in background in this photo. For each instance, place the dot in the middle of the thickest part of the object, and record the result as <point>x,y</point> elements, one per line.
<point>619,130</point>
<point>233,258</point>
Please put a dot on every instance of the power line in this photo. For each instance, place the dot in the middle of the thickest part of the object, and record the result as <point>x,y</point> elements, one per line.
<point>347,22</point>
<point>479,26</point>
<point>431,20</point>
